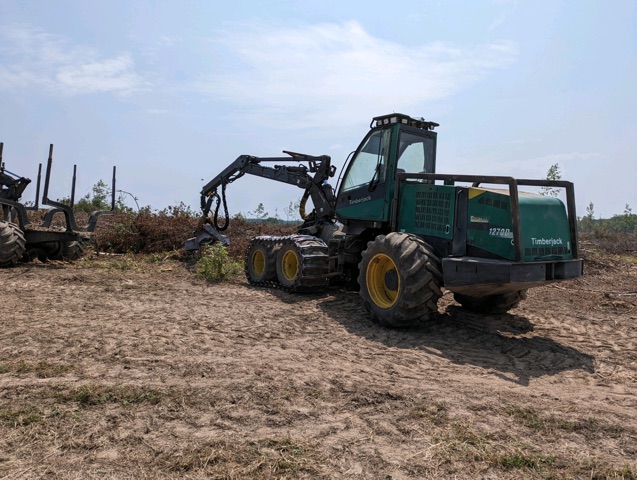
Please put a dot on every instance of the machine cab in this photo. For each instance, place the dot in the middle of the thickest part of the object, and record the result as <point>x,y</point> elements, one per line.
<point>396,143</point>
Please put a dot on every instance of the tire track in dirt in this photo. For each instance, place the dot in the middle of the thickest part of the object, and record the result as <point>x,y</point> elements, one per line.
<point>238,362</point>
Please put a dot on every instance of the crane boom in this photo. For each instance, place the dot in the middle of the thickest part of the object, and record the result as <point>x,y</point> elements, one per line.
<point>311,175</point>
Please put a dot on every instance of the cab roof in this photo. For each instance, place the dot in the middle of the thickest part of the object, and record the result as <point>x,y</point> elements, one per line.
<point>403,119</point>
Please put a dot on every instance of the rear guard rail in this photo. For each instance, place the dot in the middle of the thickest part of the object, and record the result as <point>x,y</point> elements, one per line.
<point>513,184</point>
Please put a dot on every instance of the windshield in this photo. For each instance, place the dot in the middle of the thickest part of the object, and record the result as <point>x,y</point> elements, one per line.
<point>368,166</point>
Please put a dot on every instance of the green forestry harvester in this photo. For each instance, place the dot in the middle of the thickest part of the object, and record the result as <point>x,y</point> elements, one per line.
<point>21,239</point>
<point>402,232</point>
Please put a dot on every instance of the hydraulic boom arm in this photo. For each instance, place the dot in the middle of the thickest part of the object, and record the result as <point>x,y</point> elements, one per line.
<point>315,185</point>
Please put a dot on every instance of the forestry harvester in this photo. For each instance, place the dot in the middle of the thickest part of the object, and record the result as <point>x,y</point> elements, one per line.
<point>401,232</point>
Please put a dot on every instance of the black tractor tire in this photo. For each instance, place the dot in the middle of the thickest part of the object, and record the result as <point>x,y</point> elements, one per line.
<point>49,251</point>
<point>12,244</point>
<point>302,264</point>
<point>72,250</point>
<point>65,250</point>
<point>500,303</point>
<point>260,260</point>
<point>400,279</point>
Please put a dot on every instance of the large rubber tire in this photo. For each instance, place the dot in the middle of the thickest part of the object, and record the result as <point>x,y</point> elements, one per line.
<point>67,250</point>
<point>12,244</point>
<point>399,280</point>
<point>302,264</point>
<point>49,251</point>
<point>500,303</point>
<point>72,250</point>
<point>260,260</point>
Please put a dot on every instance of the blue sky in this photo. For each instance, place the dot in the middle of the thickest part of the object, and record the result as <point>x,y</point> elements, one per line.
<point>173,91</point>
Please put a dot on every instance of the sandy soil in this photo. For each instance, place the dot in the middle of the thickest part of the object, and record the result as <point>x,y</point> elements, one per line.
<point>123,368</point>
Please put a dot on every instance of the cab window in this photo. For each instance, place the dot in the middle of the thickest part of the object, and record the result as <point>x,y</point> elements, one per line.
<point>415,153</point>
<point>369,165</point>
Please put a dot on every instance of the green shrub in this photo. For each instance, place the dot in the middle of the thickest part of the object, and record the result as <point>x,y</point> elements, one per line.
<point>215,264</point>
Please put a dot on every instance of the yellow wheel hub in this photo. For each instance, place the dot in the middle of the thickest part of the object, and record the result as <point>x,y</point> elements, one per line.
<point>258,263</point>
<point>383,281</point>
<point>290,264</point>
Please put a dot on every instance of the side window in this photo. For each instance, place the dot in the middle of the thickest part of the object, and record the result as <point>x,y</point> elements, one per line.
<point>370,163</point>
<point>415,153</point>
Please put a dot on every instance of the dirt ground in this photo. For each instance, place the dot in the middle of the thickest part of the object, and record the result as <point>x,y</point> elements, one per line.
<point>116,367</point>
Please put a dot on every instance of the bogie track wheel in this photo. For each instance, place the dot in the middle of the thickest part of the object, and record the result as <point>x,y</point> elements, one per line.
<point>302,264</point>
<point>400,279</point>
<point>260,260</point>
<point>12,244</point>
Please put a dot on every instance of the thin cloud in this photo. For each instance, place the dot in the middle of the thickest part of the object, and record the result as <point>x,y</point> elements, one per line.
<point>325,72</point>
<point>32,58</point>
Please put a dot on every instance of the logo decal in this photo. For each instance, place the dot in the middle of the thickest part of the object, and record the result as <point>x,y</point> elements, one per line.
<point>360,200</point>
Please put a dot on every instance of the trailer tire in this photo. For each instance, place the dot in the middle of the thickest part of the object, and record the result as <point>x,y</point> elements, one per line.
<point>260,260</point>
<point>399,280</point>
<point>72,250</point>
<point>12,244</point>
<point>500,303</point>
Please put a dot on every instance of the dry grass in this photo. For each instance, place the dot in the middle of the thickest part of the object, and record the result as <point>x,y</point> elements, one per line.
<point>153,233</point>
<point>109,370</point>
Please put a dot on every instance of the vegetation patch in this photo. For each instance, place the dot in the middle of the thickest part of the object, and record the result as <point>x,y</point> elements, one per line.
<point>215,265</point>
<point>20,416</point>
<point>524,460</point>
<point>91,395</point>
<point>435,413</point>
<point>548,424</point>
<point>270,458</point>
<point>41,369</point>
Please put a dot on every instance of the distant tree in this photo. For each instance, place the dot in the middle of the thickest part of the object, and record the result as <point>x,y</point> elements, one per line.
<point>259,213</point>
<point>99,198</point>
<point>627,222</point>
<point>622,223</point>
<point>552,174</point>
<point>292,210</point>
<point>587,224</point>
<point>628,211</point>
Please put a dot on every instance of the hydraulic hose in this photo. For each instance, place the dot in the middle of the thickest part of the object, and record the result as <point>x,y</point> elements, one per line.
<point>302,213</point>
<point>215,220</point>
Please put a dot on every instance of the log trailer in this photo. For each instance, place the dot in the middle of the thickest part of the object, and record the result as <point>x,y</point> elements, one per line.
<point>22,239</point>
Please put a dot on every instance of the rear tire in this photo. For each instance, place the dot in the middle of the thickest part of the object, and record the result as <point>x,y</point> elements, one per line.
<point>261,260</point>
<point>400,280</point>
<point>64,250</point>
<point>73,250</point>
<point>12,244</point>
<point>500,303</point>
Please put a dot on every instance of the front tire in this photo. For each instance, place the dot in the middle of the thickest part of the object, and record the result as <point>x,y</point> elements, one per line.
<point>400,280</point>
<point>500,303</point>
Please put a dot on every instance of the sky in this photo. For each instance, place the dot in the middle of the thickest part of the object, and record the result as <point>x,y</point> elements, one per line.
<point>171,92</point>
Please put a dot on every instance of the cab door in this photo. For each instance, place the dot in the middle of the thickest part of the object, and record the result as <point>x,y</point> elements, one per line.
<point>362,192</point>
